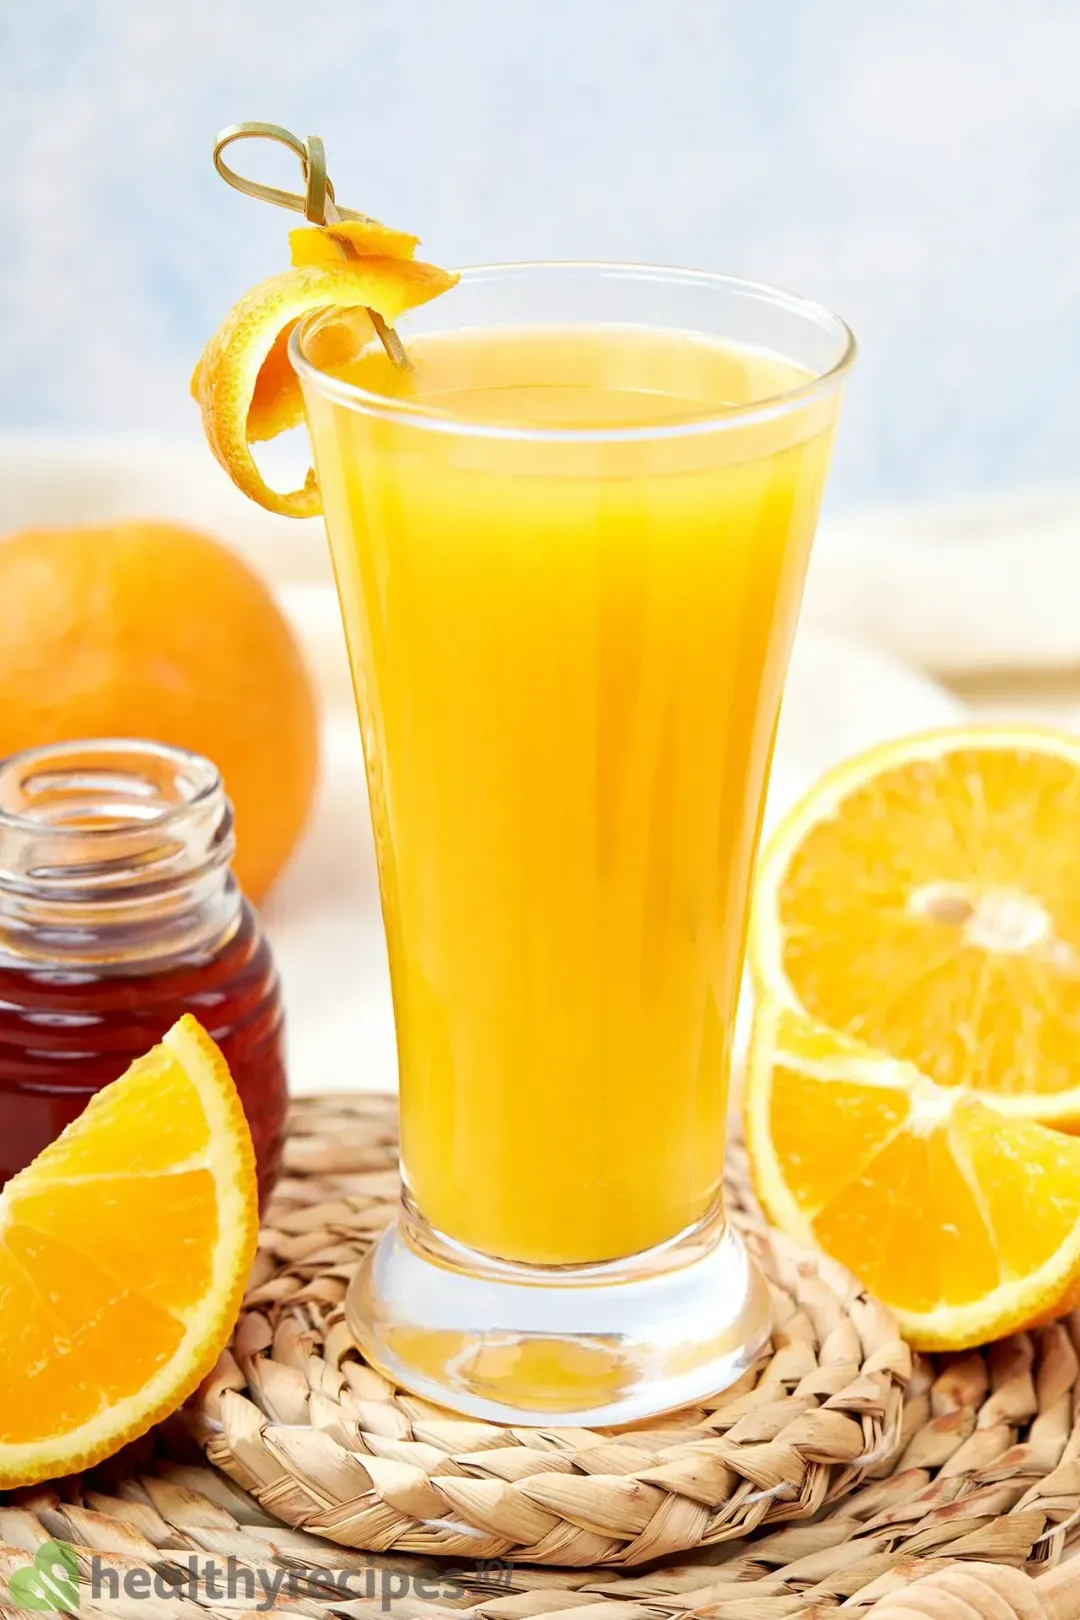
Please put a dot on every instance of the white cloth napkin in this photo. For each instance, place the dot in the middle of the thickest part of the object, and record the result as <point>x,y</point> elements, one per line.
<point>895,598</point>
<point>966,588</point>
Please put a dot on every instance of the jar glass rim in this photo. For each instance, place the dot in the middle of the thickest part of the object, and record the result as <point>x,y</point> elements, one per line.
<point>121,757</point>
<point>818,384</point>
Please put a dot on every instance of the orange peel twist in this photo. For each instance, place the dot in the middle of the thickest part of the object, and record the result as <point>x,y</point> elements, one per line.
<point>244,384</point>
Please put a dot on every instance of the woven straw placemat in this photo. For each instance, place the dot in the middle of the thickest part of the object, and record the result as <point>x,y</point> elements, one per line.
<point>294,1416</point>
<point>146,1526</point>
<point>957,1461</point>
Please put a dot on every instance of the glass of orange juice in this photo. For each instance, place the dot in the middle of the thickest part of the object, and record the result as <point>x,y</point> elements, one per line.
<point>569,546</point>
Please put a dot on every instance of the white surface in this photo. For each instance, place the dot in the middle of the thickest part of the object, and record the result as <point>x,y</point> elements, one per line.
<point>962,591</point>
<point>912,162</point>
<point>959,589</point>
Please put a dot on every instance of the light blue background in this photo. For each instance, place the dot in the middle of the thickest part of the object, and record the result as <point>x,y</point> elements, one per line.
<point>915,164</point>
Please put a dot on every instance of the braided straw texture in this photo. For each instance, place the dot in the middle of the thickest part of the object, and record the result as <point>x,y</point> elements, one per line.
<point>293,1415</point>
<point>974,1495</point>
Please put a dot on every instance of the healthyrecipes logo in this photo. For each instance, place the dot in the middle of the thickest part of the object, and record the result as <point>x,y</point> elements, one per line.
<point>52,1582</point>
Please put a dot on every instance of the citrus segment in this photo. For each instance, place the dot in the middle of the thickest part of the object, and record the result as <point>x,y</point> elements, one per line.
<point>909,1227</point>
<point>83,1344</point>
<point>243,383</point>
<point>822,1152</point>
<point>924,898</point>
<point>106,1237</point>
<point>124,1251</point>
<point>1027,1179</point>
<point>122,1134</point>
<point>965,1222</point>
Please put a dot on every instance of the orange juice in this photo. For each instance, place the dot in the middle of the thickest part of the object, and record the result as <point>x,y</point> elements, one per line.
<point>569,578</point>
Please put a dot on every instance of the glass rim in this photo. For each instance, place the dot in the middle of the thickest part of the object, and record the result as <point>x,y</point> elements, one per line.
<point>203,774</point>
<point>723,420</point>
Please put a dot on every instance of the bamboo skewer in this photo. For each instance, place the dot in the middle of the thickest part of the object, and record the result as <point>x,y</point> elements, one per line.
<point>316,202</point>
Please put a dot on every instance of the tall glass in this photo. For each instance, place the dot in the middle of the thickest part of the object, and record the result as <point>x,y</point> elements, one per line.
<point>568,636</point>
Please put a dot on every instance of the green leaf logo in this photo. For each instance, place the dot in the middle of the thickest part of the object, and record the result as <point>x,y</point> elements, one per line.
<point>51,1583</point>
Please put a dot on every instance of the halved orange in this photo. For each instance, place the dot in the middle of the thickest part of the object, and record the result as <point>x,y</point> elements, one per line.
<point>964,1221</point>
<point>125,1248</point>
<point>924,899</point>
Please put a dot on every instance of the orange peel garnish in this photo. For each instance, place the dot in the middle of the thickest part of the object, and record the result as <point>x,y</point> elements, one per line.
<point>244,384</point>
<point>319,244</point>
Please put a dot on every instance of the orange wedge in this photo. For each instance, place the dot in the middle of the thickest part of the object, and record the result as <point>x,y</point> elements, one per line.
<point>924,899</point>
<point>125,1248</point>
<point>964,1221</point>
<point>246,388</point>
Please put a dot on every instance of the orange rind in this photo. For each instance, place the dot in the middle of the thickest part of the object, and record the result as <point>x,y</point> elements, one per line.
<point>244,384</point>
<point>366,238</point>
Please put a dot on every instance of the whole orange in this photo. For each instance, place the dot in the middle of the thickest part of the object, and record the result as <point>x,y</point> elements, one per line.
<point>151,630</point>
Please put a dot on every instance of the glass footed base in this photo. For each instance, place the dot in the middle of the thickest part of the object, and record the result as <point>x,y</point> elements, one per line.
<point>589,1345</point>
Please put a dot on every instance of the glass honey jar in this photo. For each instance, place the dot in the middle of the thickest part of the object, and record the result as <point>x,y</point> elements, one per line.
<point>118,913</point>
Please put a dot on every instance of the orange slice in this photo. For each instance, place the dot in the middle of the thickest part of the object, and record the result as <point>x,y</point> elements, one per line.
<point>966,1223</point>
<point>125,1248</point>
<point>246,388</point>
<point>924,899</point>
